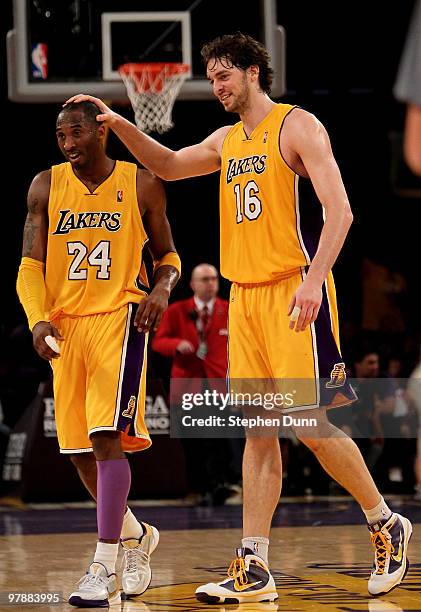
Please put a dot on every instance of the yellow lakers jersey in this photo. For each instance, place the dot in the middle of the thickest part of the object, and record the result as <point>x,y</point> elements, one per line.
<point>95,242</point>
<point>270,217</point>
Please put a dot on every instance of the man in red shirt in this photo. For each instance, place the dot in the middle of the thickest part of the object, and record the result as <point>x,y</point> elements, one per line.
<point>193,333</point>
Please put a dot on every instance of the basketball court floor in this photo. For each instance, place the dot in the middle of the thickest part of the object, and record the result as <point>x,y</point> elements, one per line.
<point>320,555</point>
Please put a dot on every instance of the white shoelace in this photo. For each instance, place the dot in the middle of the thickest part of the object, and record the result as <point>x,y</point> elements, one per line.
<point>136,559</point>
<point>89,582</point>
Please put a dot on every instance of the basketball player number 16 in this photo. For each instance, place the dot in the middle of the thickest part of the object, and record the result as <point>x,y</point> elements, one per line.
<point>249,204</point>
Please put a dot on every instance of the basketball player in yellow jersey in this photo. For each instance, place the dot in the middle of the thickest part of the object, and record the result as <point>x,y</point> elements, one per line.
<point>284,218</point>
<point>83,286</point>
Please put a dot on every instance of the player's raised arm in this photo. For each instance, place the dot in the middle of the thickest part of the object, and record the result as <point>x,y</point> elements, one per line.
<point>202,158</point>
<point>31,280</point>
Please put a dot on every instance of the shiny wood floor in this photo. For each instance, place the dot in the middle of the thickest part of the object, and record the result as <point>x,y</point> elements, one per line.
<point>315,568</point>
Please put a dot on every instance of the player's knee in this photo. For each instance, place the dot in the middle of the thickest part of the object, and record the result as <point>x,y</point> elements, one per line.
<point>318,436</point>
<point>263,445</point>
<point>312,427</point>
<point>107,445</point>
<point>312,443</point>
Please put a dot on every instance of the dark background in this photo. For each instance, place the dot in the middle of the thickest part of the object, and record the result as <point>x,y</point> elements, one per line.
<point>341,65</point>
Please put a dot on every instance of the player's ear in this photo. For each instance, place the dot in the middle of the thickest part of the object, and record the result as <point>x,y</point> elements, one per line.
<point>102,131</point>
<point>253,72</point>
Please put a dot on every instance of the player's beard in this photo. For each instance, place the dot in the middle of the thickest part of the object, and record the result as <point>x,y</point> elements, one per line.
<point>242,101</point>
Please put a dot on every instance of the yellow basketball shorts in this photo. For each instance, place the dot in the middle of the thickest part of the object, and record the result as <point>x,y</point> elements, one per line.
<point>100,380</point>
<point>266,356</point>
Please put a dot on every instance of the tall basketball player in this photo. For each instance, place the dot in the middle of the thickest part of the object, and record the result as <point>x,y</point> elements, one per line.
<point>284,216</point>
<point>83,286</point>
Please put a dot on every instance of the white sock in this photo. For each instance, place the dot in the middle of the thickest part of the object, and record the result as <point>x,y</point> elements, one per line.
<point>107,555</point>
<point>378,513</point>
<point>258,545</point>
<point>131,526</point>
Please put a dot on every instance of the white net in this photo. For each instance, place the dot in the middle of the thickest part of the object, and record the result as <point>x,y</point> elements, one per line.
<point>152,90</point>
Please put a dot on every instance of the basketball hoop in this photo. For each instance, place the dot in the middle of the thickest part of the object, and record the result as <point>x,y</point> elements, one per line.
<point>152,89</point>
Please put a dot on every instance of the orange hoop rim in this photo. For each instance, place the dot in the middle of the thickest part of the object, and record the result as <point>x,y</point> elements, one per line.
<point>136,68</point>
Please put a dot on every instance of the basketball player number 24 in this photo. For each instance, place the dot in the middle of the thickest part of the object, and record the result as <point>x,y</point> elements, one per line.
<point>249,204</point>
<point>99,257</point>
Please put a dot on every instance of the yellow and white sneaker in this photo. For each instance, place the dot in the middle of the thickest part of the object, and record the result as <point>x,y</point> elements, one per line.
<point>96,589</point>
<point>249,581</point>
<point>390,540</point>
<point>137,573</point>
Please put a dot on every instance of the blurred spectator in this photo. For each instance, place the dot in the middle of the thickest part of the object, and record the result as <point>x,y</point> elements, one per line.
<point>384,299</point>
<point>408,90</point>
<point>395,367</point>
<point>396,464</point>
<point>382,421</point>
<point>414,391</point>
<point>376,397</point>
<point>194,333</point>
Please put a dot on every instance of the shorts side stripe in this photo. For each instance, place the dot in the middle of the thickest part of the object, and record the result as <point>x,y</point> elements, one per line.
<point>329,307</point>
<point>315,354</point>
<point>131,375</point>
<point>133,427</point>
<point>122,362</point>
<point>329,357</point>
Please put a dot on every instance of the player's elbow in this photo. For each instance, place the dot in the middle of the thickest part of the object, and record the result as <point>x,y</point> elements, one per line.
<point>166,175</point>
<point>172,173</point>
<point>170,168</point>
<point>348,216</point>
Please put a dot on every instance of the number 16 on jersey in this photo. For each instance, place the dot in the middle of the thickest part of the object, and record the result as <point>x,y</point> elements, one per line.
<point>247,202</point>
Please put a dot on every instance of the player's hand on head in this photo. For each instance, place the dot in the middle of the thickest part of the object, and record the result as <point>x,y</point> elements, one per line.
<point>150,310</point>
<point>46,349</point>
<point>107,115</point>
<point>304,306</point>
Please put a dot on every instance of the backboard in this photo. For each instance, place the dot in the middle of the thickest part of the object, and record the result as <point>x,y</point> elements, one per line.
<point>57,49</point>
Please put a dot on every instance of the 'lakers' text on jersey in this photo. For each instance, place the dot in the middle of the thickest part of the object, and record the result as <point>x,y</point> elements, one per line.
<point>270,217</point>
<point>95,241</point>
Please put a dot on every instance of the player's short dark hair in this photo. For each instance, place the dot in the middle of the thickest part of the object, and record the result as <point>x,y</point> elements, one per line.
<point>89,110</point>
<point>242,51</point>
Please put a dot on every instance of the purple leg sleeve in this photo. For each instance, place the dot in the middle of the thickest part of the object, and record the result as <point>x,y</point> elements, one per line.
<point>113,487</point>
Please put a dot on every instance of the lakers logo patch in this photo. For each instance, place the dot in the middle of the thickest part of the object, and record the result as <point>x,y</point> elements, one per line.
<point>337,376</point>
<point>131,405</point>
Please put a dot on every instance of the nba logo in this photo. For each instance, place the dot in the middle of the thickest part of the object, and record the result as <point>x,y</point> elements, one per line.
<point>39,61</point>
<point>119,195</point>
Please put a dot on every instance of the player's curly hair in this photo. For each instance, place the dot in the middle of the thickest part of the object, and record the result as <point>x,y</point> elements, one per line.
<point>242,51</point>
